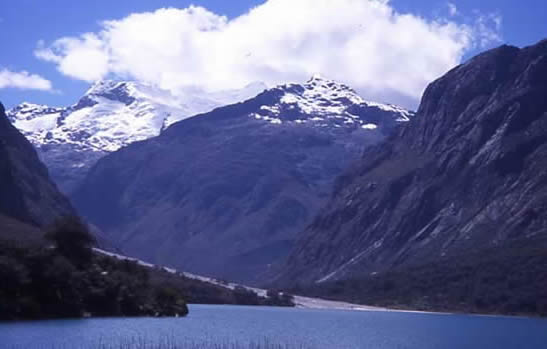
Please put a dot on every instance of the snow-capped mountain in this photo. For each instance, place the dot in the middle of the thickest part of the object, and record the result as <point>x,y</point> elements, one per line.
<point>466,177</point>
<point>322,102</point>
<point>236,184</point>
<point>110,115</point>
<point>114,114</point>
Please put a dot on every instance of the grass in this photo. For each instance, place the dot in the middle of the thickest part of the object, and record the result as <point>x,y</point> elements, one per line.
<point>171,343</point>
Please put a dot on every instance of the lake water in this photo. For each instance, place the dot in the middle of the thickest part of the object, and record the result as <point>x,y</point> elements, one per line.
<point>293,328</point>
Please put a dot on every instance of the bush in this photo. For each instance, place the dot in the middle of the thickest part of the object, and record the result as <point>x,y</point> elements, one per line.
<point>72,239</point>
<point>278,298</point>
<point>52,283</point>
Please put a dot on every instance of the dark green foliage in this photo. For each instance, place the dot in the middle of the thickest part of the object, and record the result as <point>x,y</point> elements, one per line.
<point>279,298</point>
<point>41,283</point>
<point>507,279</point>
<point>245,297</point>
<point>169,300</point>
<point>200,292</point>
<point>72,239</point>
<point>69,280</point>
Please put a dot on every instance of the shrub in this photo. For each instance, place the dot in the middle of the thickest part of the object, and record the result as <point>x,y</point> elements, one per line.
<point>72,239</point>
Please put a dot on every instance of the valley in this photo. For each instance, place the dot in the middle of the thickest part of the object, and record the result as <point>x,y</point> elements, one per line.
<point>273,174</point>
<point>312,189</point>
<point>237,183</point>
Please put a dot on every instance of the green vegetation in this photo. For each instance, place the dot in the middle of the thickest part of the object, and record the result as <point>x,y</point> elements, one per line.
<point>508,279</point>
<point>171,343</point>
<point>200,292</point>
<point>279,298</point>
<point>66,279</point>
<point>62,277</point>
<point>72,240</point>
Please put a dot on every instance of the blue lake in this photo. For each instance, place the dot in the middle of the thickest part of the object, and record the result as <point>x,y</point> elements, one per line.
<point>292,328</point>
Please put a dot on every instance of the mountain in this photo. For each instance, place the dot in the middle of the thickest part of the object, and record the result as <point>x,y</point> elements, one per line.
<point>469,174</point>
<point>110,115</point>
<point>57,274</point>
<point>27,193</point>
<point>224,193</point>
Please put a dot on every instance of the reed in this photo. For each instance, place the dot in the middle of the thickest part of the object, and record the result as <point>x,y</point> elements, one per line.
<point>172,343</point>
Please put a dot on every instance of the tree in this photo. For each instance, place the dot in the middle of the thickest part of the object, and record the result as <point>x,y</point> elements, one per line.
<point>170,301</point>
<point>72,239</point>
<point>279,298</point>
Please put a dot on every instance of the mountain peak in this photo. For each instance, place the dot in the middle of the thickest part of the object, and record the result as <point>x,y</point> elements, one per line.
<point>321,80</point>
<point>119,91</point>
<point>100,86</point>
<point>317,78</point>
<point>110,115</point>
<point>323,102</point>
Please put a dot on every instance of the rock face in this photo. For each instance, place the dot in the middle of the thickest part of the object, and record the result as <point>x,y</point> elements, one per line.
<point>469,172</point>
<point>224,193</point>
<point>110,115</point>
<point>26,192</point>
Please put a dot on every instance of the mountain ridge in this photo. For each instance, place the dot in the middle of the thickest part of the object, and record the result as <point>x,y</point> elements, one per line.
<point>28,194</point>
<point>467,173</point>
<point>110,115</point>
<point>238,180</point>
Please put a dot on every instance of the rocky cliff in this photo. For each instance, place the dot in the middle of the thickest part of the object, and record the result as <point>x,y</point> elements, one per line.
<point>470,172</point>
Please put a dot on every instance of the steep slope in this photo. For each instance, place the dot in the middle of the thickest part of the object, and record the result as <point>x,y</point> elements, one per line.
<point>508,278</point>
<point>110,115</point>
<point>470,172</point>
<point>27,193</point>
<point>224,193</point>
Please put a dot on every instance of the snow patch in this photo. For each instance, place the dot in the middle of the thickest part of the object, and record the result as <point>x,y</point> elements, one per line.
<point>114,114</point>
<point>370,126</point>
<point>320,99</point>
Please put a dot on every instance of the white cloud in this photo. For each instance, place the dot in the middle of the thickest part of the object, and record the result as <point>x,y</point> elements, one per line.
<point>452,9</point>
<point>385,55</point>
<point>84,58</point>
<point>23,80</point>
<point>489,27</point>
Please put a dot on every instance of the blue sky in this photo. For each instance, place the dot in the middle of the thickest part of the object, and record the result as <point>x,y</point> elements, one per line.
<point>25,23</point>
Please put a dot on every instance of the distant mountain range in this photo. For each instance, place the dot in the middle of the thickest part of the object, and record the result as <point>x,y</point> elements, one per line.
<point>225,193</point>
<point>110,115</point>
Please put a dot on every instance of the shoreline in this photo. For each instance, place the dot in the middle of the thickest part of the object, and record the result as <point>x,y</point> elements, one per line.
<point>324,304</point>
<point>303,302</point>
